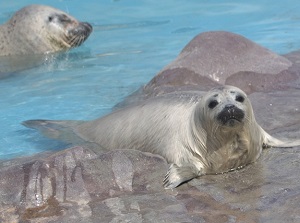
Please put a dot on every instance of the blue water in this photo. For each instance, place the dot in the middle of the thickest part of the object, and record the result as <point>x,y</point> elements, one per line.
<point>131,42</point>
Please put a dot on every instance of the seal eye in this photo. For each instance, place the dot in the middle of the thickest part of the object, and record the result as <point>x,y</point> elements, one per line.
<point>50,18</point>
<point>213,104</point>
<point>240,98</point>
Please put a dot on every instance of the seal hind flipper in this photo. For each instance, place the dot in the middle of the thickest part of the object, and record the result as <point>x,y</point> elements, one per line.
<point>60,130</point>
<point>270,141</point>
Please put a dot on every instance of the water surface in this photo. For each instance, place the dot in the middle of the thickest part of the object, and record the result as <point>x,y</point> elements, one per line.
<point>131,42</point>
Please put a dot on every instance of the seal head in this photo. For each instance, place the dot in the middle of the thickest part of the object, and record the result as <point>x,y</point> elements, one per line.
<point>38,29</point>
<point>229,114</point>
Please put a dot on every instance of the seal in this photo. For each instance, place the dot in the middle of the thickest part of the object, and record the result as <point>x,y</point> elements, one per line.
<point>37,29</point>
<point>197,134</point>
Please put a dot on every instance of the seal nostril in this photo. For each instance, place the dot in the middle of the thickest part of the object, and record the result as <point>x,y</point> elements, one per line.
<point>229,106</point>
<point>87,25</point>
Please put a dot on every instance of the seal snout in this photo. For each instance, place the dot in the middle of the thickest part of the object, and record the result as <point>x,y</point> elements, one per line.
<point>230,115</point>
<point>79,34</point>
<point>86,27</point>
<point>83,28</point>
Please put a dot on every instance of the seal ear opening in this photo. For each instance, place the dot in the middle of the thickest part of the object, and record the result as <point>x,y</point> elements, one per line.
<point>270,141</point>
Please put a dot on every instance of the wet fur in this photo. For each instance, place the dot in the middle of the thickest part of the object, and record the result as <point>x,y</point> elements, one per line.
<point>185,129</point>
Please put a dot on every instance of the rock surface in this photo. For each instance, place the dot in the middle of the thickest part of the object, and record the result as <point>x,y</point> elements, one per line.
<point>216,58</point>
<point>77,185</point>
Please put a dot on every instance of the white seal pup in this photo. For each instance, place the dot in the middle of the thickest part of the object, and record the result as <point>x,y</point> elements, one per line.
<point>197,135</point>
<point>37,29</point>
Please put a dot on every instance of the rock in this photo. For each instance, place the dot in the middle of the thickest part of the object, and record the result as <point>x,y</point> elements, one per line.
<point>216,58</point>
<point>77,185</point>
<point>68,184</point>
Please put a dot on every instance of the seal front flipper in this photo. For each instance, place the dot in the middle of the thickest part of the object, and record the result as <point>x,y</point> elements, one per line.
<point>178,175</point>
<point>60,130</point>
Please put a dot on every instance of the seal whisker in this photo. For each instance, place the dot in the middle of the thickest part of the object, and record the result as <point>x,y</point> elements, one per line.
<point>80,40</point>
<point>71,40</point>
<point>215,127</point>
<point>76,40</point>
